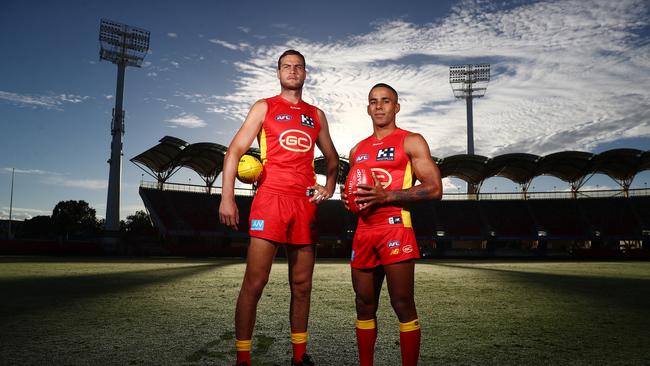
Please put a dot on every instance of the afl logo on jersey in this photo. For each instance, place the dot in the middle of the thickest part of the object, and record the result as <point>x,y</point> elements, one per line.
<point>383,176</point>
<point>361,158</point>
<point>283,117</point>
<point>295,140</point>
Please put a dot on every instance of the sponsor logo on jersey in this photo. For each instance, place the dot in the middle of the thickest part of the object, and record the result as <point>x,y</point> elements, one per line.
<point>383,176</point>
<point>378,143</point>
<point>257,225</point>
<point>407,249</point>
<point>294,107</point>
<point>394,251</point>
<point>394,220</point>
<point>386,154</point>
<point>295,140</point>
<point>283,117</point>
<point>362,157</point>
<point>306,121</point>
<point>393,244</point>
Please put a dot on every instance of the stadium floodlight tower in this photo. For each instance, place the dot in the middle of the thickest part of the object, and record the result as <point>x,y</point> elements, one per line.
<point>124,46</point>
<point>469,82</point>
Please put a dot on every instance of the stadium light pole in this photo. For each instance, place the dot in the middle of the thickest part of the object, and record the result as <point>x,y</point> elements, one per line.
<point>11,202</point>
<point>469,82</point>
<point>124,46</point>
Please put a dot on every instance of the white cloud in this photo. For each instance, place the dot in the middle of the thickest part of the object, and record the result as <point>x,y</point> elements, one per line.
<point>449,186</point>
<point>108,97</point>
<point>172,35</point>
<point>223,43</point>
<point>8,170</point>
<point>242,46</point>
<point>71,98</point>
<point>175,64</point>
<point>90,184</point>
<point>41,101</point>
<point>19,213</point>
<point>244,29</point>
<point>187,120</point>
<point>566,75</point>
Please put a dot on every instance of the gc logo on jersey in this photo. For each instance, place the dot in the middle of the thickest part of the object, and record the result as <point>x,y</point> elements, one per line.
<point>306,121</point>
<point>383,176</point>
<point>283,117</point>
<point>257,225</point>
<point>295,140</point>
<point>386,154</point>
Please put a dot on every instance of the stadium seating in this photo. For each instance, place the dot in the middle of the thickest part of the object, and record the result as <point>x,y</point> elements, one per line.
<point>611,217</point>
<point>196,215</point>
<point>559,218</point>
<point>516,224</point>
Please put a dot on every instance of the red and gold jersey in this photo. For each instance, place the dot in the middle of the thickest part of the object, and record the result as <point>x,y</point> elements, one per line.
<point>287,138</point>
<point>391,165</point>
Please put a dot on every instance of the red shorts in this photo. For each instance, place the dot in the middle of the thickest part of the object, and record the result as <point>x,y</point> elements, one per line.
<point>283,218</point>
<point>382,245</point>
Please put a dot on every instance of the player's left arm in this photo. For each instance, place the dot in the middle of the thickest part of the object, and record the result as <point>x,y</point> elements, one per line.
<point>424,168</point>
<point>326,146</point>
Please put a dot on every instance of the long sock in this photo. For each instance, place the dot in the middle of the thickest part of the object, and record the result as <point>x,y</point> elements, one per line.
<point>366,336</point>
<point>243,348</point>
<point>299,344</point>
<point>409,341</point>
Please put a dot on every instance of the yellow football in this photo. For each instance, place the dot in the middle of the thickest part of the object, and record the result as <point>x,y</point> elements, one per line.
<point>249,169</point>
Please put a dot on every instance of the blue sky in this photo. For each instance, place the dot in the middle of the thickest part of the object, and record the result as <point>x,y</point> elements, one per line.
<point>566,75</point>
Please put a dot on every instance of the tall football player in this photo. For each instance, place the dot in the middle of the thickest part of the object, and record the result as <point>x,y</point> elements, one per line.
<point>384,243</point>
<point>282,212</point>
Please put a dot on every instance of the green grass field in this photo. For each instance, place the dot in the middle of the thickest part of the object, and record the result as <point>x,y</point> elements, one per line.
<point>180,312</point>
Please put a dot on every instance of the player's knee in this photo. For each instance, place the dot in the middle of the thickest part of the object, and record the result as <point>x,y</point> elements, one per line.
<point>404,307</point>
<point>301,288</point>
<point>365,305</point>
<point>255,285</point>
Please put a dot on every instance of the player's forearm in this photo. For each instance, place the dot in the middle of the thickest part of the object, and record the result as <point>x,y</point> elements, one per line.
<point>228,176</point>
<point>332,173</point>
<point>420,192</point>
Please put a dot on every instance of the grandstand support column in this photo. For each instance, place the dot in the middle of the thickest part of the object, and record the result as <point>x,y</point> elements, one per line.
<point>115,162</point>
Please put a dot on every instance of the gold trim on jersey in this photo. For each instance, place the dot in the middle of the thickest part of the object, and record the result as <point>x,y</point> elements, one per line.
<point>406,184</point>
<point>261,139</point>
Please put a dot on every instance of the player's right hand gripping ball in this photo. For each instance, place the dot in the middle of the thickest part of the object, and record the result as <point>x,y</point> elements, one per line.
<point>249,169</point>
<point>359,174</point>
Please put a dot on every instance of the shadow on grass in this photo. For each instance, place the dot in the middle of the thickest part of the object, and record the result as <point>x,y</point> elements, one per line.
<point>23,295</point>
<point>630,293</point>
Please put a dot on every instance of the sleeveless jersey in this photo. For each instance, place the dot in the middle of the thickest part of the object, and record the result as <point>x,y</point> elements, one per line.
<point>392,167</point>
<point>287,140</point>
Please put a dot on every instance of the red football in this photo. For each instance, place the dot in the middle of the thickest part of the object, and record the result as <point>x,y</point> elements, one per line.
<point>359,174</point>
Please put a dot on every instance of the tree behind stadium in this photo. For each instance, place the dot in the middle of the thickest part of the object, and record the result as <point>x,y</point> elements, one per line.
<point>74,218</point>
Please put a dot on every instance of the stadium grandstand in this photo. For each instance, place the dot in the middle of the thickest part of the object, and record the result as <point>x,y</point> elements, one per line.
<point>572,223</point>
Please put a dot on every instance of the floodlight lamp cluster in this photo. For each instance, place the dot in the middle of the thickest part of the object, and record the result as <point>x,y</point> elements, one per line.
<point>469,81</point>
<point>122,44</point>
